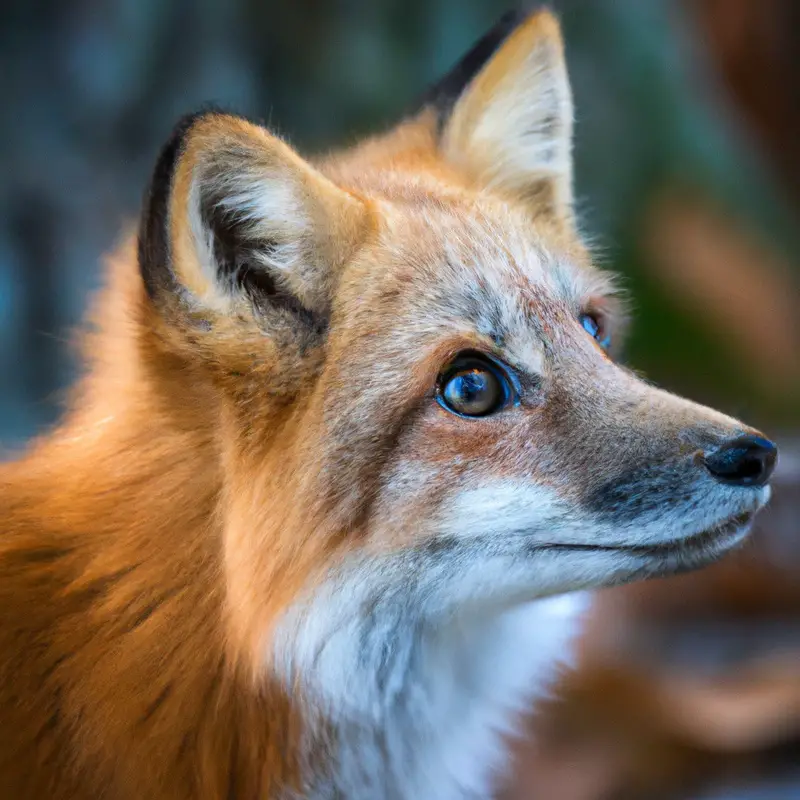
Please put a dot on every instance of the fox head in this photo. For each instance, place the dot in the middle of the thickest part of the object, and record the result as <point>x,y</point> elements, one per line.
<point>408,357</point>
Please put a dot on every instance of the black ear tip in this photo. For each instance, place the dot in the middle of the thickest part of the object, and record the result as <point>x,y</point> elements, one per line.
<point>443,94</point>
<point>153,244</point>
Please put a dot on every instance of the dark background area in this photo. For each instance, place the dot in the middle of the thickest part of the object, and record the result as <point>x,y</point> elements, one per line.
<point>688,179</point>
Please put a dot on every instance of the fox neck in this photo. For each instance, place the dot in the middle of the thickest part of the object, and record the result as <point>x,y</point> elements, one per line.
<point>418,705</point>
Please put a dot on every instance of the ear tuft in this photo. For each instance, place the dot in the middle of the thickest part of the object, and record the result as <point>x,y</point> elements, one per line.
<point>235,218</point>
<point>510,127</point>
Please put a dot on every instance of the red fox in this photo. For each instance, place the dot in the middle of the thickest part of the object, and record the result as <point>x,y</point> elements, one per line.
<point>350,445</point>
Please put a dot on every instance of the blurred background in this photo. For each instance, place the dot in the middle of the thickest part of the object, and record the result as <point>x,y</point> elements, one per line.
<point>688,175</point>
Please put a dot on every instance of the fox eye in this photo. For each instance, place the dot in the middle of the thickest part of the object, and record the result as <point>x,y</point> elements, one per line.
<point>473,386</point>
<point>593,325</point>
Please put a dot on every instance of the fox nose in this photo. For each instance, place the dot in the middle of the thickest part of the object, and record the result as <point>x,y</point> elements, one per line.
<point>744,461</point>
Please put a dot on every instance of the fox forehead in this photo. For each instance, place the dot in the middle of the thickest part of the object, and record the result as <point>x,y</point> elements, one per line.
<point>480,268</point>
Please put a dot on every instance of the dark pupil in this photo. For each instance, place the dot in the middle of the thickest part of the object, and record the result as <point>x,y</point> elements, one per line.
<point>472,392</point>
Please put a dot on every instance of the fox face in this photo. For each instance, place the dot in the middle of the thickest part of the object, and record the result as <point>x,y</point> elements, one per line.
<point>419,319</point>
<point>410,360</point>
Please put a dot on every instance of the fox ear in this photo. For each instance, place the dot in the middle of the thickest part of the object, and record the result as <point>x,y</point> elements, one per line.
<point>235,219</point>
<point>505,113</point>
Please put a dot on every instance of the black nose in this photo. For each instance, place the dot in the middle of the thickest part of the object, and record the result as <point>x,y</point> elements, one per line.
<point>744,461</point>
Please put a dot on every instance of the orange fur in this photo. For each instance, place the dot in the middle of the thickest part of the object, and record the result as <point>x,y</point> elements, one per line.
<point>115,678</point>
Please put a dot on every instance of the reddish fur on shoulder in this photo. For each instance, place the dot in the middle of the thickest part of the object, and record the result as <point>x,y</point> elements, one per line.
<point>116,678</point>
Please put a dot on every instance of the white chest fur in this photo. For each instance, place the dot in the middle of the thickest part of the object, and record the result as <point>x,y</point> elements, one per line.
<point>421,713</point>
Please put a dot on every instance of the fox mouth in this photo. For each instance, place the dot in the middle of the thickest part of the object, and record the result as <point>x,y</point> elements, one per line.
<point>710,540</point>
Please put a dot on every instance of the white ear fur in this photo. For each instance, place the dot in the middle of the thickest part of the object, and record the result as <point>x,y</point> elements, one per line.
<point>511,128</point>
<point>245,205</point>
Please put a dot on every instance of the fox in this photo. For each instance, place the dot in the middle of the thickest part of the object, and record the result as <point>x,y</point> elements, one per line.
<point>352,448</point>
